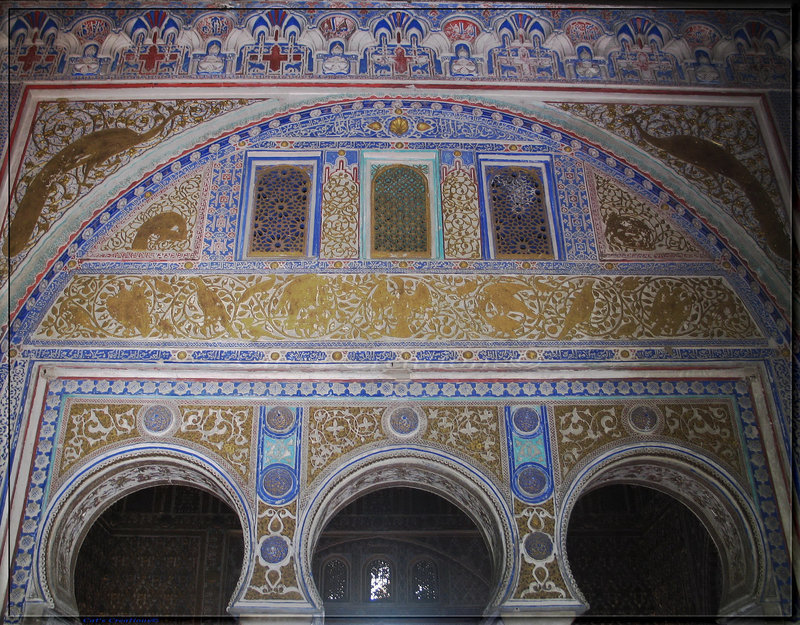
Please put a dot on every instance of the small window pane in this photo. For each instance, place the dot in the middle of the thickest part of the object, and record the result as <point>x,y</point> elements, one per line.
<point>335,580</point>
<point>280,212</point>
<point>400,212</point>
<point>425,581</point>
<point>380,580</point>
<point>518,212</point>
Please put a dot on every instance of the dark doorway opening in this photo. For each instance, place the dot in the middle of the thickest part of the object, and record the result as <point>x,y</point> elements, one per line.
<point>640,554</point>
<point>172,552</point>
<point>402,555</point>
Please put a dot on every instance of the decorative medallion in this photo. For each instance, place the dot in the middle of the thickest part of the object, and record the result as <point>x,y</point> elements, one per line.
<point>157,420</point>
<point>278,482</point>
<point>538,545</point>
<point>532,481</point>
<point>403,421</point>
<point>274,549</point>
<point>644,419</point>
<point>526,420</point>
<point>398,126</point>
<point>280,419</point>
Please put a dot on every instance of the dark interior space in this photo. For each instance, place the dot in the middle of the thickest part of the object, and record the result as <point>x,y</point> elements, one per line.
<point>402,555</point>
<point>643,556</point>
<point>165,551</point>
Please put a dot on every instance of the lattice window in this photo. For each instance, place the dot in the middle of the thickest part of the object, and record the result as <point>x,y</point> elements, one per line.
<point>518,212</point>
<point>379,577</point>
<point>334,580</point>
<point>400,211</point>
<point>280,212</point>
<point>425,580</point>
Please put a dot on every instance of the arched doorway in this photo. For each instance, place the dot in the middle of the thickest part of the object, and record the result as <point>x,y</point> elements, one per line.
<point>79,503</point>
<point>402,553</point>
<point>166,551</point>
<point>715,500</point>
<point>635,551</point>
<point>437,474</point>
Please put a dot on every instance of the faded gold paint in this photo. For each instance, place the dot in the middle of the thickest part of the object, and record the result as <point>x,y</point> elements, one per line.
<point>87,153</point>
<point>369,307</point>
<point>715,159</point>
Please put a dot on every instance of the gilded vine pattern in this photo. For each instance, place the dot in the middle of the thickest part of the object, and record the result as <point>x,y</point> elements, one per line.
<point>470,430</point>
<point>461,214</point>
<point>225,430</point>
<point>76,145</point>
<point>540,574</point>
<point>167,223</point>
<point>585,429</point>
<point>340,206</point>
<point>720,149</point>
<point>632,227</point>
<point>90,426</point>
<point>334,432</point>
<point>709,426</point>
<point>275,580</point>
<point>372,307</point>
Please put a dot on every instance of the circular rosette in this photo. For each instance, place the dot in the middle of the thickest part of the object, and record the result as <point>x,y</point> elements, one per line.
<point>403,421</point>
<point>532,482</point>
<point>280,419</point>
<point>644,419</point>
<point>278,484</point>
<point>526,420</point>
<point>273,550</point>
<point>158,419</point>
<point>538,545</point>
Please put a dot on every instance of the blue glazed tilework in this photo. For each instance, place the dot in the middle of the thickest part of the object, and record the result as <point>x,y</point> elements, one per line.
<point>273,453</point>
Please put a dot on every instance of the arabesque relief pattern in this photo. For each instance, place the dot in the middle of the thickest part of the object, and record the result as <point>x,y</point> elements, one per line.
<point>340,206</point>
<point>461,213</point>
<point>371,307</point>
<point>166,227</point>
<point>275,577</point>
<point>225,430</point>
<point>540,574</point>
<point>83,143</point>
<point>720,149</point>
<point>630,227</point>
<point>89,426</point>
<point>583,430</point>
<point>333,432</point>
<point>470,430</point>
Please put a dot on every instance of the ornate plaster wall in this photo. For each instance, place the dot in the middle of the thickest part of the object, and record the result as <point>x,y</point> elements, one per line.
<point>646,340</point>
